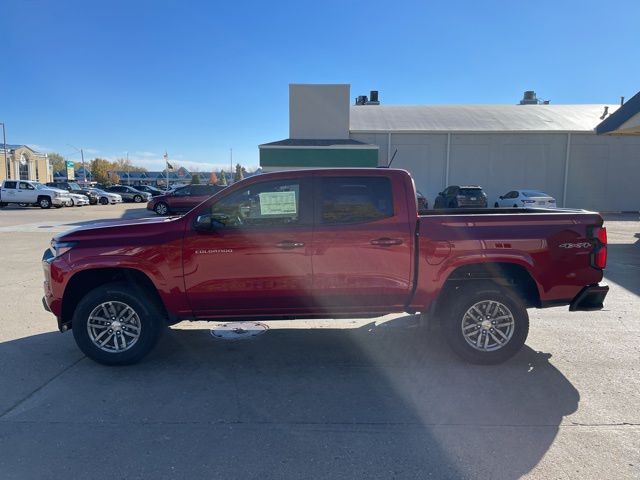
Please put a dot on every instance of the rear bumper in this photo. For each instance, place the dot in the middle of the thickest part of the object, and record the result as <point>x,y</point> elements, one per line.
<point>590,298</point>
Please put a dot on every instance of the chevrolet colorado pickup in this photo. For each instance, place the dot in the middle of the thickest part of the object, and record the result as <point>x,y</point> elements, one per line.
<point>318,243</point>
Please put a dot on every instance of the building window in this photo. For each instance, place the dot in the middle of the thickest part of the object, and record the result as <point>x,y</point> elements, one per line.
<point>37,171</point>
<point>24,169</point>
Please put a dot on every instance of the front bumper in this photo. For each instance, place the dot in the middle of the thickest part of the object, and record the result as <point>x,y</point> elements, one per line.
<point>590,297</point>
<point>62,201</point>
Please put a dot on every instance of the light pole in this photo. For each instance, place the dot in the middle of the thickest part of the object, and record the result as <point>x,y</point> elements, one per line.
<point>4,149</point>
<point>84,170</point>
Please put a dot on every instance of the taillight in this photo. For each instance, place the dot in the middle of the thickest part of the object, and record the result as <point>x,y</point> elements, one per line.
<point>599,256</point>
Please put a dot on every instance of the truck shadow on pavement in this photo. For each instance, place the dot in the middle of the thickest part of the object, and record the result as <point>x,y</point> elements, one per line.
<point>378,401</point>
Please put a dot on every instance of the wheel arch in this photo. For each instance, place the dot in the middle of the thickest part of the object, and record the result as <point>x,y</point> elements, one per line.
<point>508,275</point>
<point>84,281</point>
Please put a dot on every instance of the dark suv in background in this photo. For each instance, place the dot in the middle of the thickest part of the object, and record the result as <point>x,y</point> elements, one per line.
<point>461,196</point>
<point>74,187</point>
<point>129,194</point>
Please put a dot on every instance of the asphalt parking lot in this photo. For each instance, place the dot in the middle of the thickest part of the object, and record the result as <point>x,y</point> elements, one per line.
<point>322,399</point>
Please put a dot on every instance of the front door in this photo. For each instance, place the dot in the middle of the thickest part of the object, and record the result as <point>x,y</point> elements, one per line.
<point>26,193</point>
<point>362,244</point>
<point>257,257</point>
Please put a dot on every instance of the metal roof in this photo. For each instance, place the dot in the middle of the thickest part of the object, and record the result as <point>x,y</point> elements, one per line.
<point>305,142</point>
<point>476,118</point>
<point>621,123</point>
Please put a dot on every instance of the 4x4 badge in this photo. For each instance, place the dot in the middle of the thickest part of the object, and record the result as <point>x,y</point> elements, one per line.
<point>575,245</point>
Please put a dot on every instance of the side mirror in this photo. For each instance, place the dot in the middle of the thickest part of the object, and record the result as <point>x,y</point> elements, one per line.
<point>440,193</point>
<point>501,197</point>
<point>203,223</point>
<point>206,223</point>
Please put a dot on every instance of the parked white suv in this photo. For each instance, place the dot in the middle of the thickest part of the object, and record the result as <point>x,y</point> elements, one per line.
<point>32,193</point>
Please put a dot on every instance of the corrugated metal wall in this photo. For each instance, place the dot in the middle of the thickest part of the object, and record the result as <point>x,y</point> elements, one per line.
<point>603,171</point>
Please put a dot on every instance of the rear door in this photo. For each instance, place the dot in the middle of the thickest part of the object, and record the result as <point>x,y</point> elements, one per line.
<point>181,199</point>
<point>362,243</point>
<point>9,191</point>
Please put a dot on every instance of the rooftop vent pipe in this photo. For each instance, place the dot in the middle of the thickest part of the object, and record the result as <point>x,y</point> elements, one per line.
<point>529,98</point>
<point>372,100</point>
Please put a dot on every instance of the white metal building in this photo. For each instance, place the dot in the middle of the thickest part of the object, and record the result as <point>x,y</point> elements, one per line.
<point>553,148</point>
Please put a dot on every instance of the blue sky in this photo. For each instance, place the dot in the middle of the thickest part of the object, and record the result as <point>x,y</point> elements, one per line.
<point>197,78</point>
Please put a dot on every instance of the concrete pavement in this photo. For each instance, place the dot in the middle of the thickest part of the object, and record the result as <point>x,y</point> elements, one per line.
<point>378,398</point>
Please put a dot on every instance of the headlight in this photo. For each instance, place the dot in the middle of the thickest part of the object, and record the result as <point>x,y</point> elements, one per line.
<point>56,194</point>
<point>60,248</point>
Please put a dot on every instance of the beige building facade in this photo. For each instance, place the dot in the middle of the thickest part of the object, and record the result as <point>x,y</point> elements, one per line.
<point>20,162</point>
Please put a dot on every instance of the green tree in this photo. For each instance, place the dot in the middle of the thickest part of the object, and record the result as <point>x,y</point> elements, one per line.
<point>57,162</point>
<point>99,170</point>
<point>239,175</point>
<point>222,178</point>
<point>195,178</point>
<point>115,178</point>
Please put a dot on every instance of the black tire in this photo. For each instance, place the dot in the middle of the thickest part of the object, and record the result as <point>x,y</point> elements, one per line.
<point>44,202</point>
<point>150,319</point>
<point>2,204</point>
<point>104,201</point>
<point>495,205</point>
<point>456,317</point>
<point>161,208</point>
<point>515,206</point>
<point>137,198</point>
<point>452,205</point>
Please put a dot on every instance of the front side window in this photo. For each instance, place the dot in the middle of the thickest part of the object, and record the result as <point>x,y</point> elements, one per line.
<point>265,204</point>
<point>355,199</point>
<point>26,186</point>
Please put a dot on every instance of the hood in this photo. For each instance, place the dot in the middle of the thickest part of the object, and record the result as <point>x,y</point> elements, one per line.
<point>110,230</point>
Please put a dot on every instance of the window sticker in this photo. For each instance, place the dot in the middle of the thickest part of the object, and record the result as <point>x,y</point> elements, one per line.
<point>278,203</point>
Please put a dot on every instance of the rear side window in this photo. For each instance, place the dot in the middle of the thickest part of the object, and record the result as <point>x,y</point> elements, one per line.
<point>355,199</point>
<point>9,184</point>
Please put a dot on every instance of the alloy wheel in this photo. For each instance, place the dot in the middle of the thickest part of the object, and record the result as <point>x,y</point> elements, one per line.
<point>488,325</point>
<point>114,327</point>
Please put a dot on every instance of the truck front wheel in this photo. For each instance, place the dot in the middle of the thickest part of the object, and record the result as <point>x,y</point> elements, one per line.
<point>116,324</point>
<point>44,202</point>
<point>485,324</point>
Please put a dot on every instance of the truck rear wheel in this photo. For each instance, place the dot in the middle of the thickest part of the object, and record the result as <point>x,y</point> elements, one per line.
<point>485,324</point>
<point>117,324</point>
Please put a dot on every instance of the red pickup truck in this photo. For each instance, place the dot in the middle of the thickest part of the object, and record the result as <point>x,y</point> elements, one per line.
<point>324,243</point>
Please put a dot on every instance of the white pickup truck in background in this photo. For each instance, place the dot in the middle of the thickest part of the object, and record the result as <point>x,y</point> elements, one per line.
<point>32,193</point>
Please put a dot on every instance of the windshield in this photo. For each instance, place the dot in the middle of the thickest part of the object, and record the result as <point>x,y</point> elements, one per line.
<point>74,186</point>
<point>40,186</point>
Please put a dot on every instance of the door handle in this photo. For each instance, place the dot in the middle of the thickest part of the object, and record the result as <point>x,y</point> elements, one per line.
<point>288,244</point>
<point>386,242</point>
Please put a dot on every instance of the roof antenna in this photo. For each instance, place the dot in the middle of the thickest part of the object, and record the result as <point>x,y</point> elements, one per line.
<point>392,157</point>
